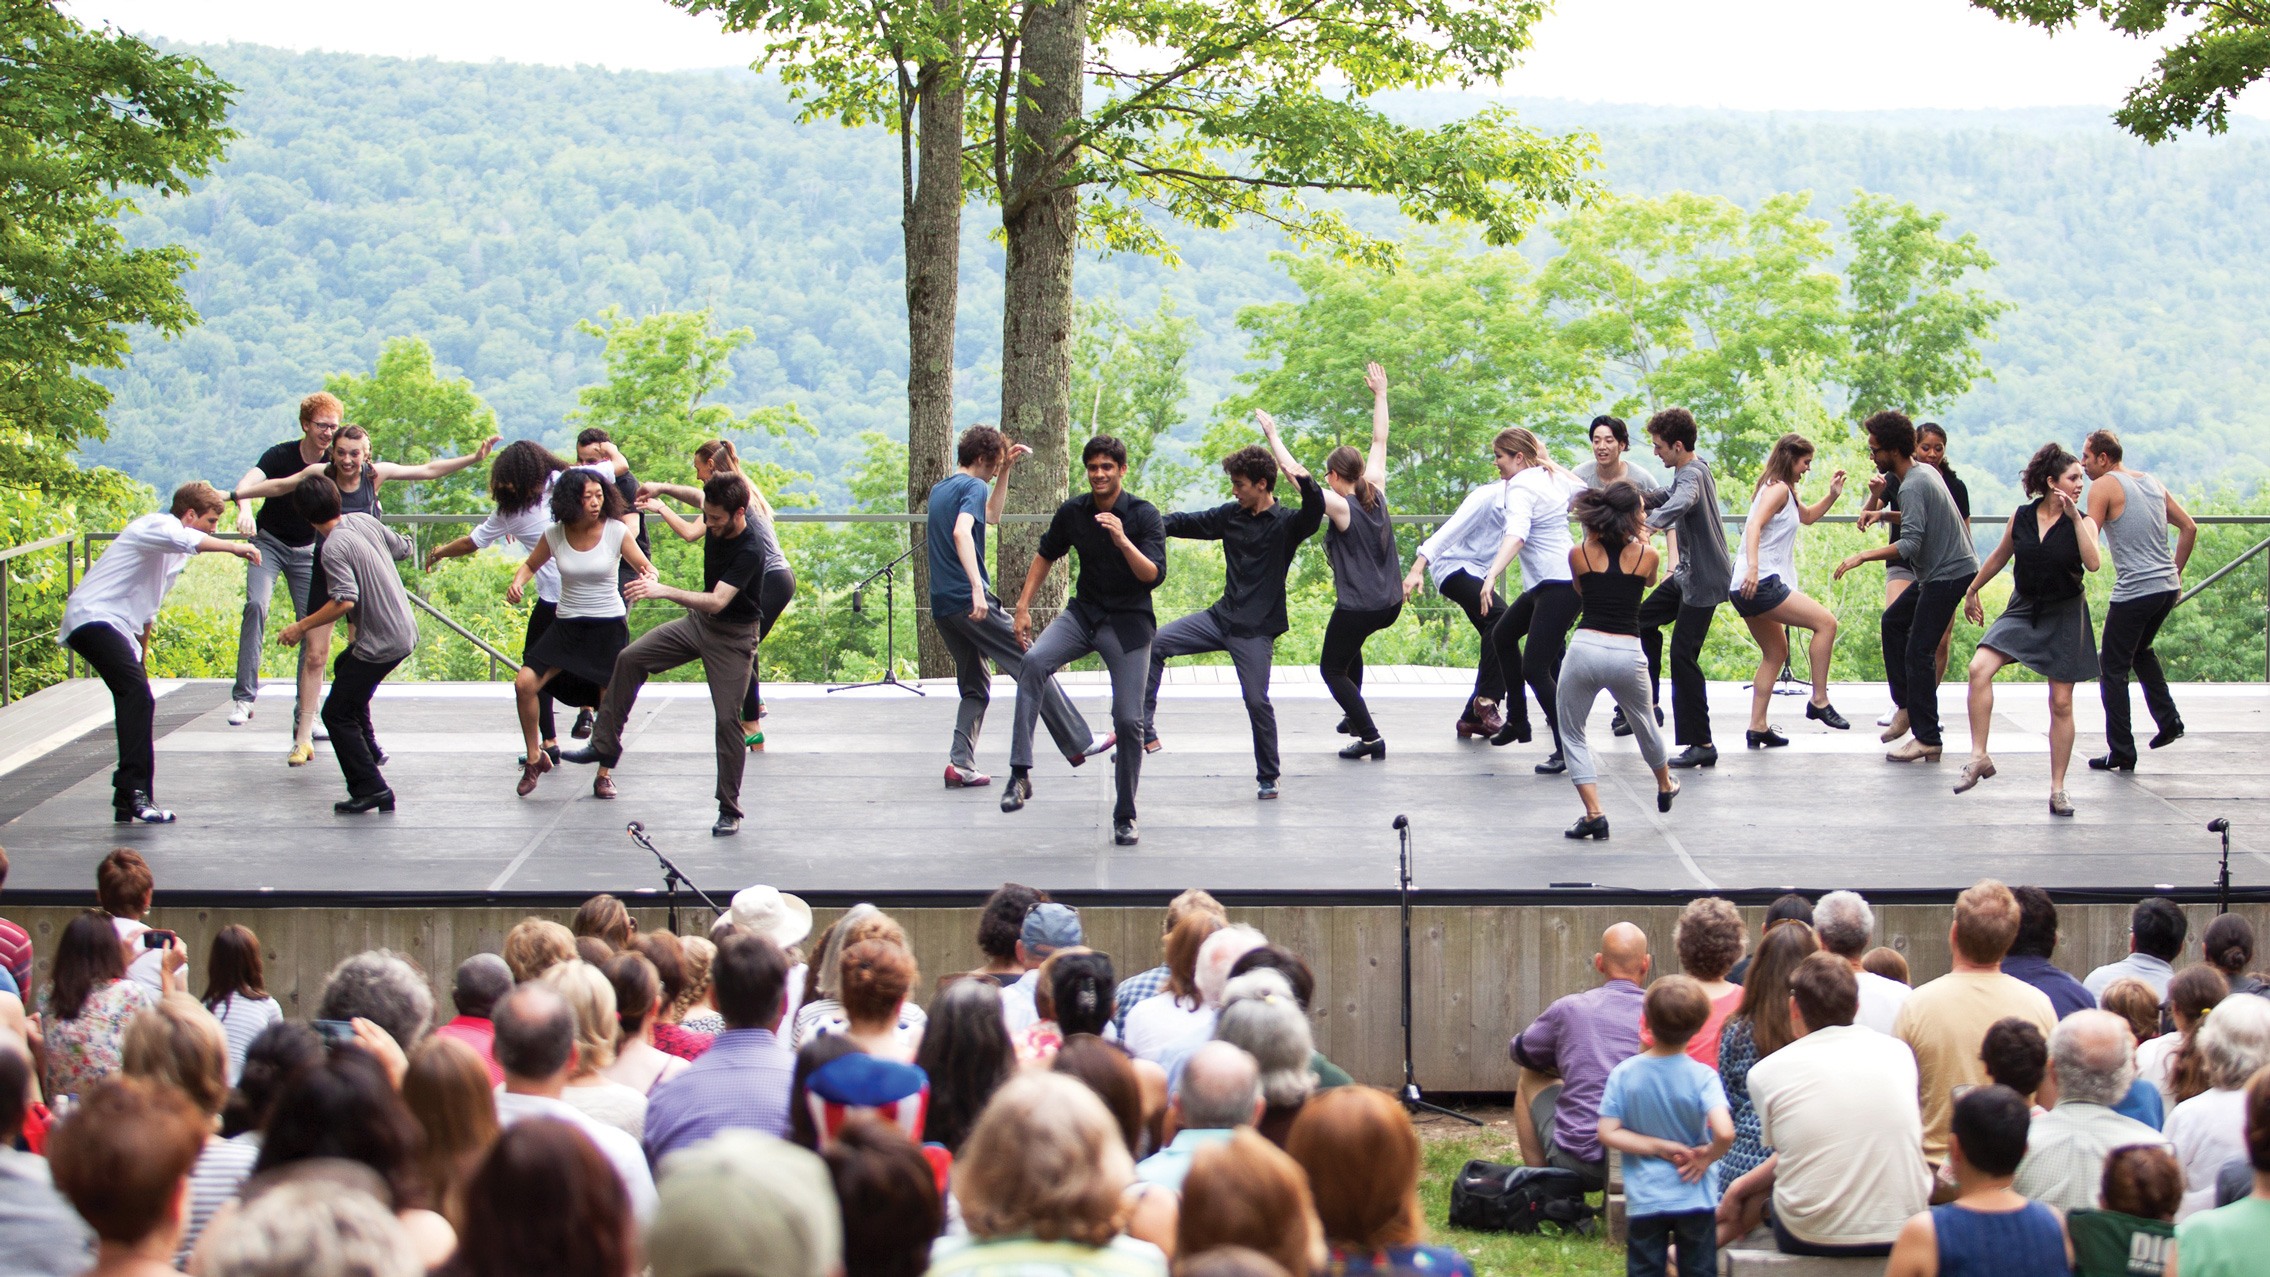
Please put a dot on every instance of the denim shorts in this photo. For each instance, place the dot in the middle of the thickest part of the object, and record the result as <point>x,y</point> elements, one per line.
<point>1770,593</point>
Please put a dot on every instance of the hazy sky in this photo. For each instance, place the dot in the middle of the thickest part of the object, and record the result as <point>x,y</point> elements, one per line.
<point>1750,54</point>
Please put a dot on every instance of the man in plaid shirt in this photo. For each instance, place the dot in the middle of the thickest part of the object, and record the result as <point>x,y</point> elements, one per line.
<point>742,1081</point>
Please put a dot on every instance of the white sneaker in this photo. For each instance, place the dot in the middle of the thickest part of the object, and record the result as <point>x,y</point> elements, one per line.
<point>240,713</point>
<point>1886,720</point>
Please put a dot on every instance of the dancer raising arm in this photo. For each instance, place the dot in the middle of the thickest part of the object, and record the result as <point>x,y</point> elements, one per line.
<point>1458,554</point>
<point>1766,593</point>
<point>2134,510</point>
<point>2046,625</point>
<point>1537,531</point>
<point>1359,542</point>
<point>1610,571</point>
<point>778,587</point>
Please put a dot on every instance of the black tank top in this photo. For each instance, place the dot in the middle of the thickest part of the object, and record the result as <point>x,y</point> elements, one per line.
<point>1611,598</point>
<point>2048,569</point>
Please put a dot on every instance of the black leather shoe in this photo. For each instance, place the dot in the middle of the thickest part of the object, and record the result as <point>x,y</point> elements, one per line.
<point>1553,765</point>
<point>2112,763</point>
<point>1827,714</point>
<point>1266,791</point>
<point>2168,736</point>
<point>1663,797</point>
<point>1619,724</point>
<point>1589,827</point>
<point>383,800</point>
<point>1376,747</point>
<point>1343,727</point>
<point>139,808</point>
<point>552,750</point>
<point>726,826</point>
<point>584,754</point>
<point>1016,793</point>
<point>1770,738</point>
<point>582,728</point>
<point>1123,833</point>
<point>1696,756</point>
<point>1510,733</point>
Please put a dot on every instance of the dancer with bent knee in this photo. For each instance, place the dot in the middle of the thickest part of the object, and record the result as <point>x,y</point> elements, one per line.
<point>778,588</point>
<point>1611,439</point>
<point>1457,555</point>
<point>1688,599</point>
<point>1609,572</point>
<point>2046,625</point>
<point>1536,532</point>
<point>2134,510</point>
<point>1766,594</point>
<point>1359,543</point>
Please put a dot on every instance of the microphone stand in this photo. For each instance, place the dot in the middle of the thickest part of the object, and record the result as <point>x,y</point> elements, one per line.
<point>672,876</point>
<point>890,676</point>
<point>1413,1100</point>
<point>2223,880</point>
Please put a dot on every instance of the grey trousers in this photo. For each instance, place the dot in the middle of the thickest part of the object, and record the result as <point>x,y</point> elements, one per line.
<point>1201,632</point>
<point>296,564</point>
<point>1067,639</point>
<point>725,650</point>
<point>994,639</point>
<point>1616,663</point>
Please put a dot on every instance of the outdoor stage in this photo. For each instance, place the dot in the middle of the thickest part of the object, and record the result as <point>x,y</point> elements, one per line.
<point>846,803</point>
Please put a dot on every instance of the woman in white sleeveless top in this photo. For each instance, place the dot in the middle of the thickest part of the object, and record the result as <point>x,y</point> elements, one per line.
<point>1765,587</point>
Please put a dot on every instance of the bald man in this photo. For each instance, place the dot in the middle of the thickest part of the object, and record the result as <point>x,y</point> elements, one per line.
<point>1565,1057</point>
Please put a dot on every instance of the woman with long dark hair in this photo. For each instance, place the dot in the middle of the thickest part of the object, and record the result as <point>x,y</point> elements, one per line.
<point>88,1002</point>
<point>236,992</point>
<point>966,1052</point>
<point>1759,1029</point>
<point>1609,572</point>
<point>545,1201</point>
<point>2046,625</point>
<point>1765,586</point>
<point>344,1107</point>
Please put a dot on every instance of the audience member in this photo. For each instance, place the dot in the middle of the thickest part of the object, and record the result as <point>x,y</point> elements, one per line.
<point>2134,1234</point>
<point>1165,1037</point>
<point>1945,1021</point>
<point>2133,1002</point>
<point>1667,1114</point>
<point>742,1081</point>
<point>383,988</point>
<point>1074,994</point>
<point>2230,1241</point>
<point>236,992</point>
<point>821,1051</point>
<point>1759,1029</point>
<point>1566,1054</point>
<point>1708,937</point>
<point>638,996</point>
<point>2156,928</point>
<point>1246,1192</point>
<point>888,1197</point>
<point>669,958</point>
<point>2029,958</point>
<point>536,1044</point>
<point>1843,922</point>
<point>966,1053</point>
<point>281,1050</point>
<point>1177,1014</point>
<point>1260,1018</point>
<point>1887,962</point>
<point>1220,1092</point>
<point>447,1091</point>
<point>1047,927</point>
<point>1838,1107</point>
<point>592,950</point>
<point>481,980</point>
<point>2066,1148</point>
<point>1362,1159</point>
<point>1229,1261</point>
<point>1150,983</point>
<point>999,926</point>
<point>178,1043</point>
<point>1989,1228</point>
<point>1789,907</point>
<point>1295,969</point>
<point>1106,1070</point>
<point>124,888</point>
<point>343,1107</point>
<point>2170,1062</point>
<point>2228,943</point>
<point>2015,1054</point>
<point>123,1158</point>
<point>697,1003</point>
<point>545,1199</point>
<point>858,1085</point>
<point>39,1232</point>
<point>15,945</point>
<point>312,1229</point>
<point>774,915</point>
<point>2209,1129</point>
<point>536,945</point>
<point>606,919</point>
<point>746,1205</point>
<point>876,977</point>
<point>592,999</point>
<point>859,924</point>
<point>86,1005</point>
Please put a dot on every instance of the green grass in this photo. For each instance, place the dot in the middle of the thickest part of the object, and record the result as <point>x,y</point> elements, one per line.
<point>1545,1254</point>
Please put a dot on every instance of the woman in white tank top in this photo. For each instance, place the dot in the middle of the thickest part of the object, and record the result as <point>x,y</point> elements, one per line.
<point>1765,587</point>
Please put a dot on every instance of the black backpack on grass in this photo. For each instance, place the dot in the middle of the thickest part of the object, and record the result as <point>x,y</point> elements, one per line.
<point>1496,1198</point>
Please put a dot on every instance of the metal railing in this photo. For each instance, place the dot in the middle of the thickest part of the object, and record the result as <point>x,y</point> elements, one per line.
<point>7,638</point>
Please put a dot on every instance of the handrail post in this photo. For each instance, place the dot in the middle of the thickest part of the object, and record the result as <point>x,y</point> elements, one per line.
<point>70,584</point>
<point>7,650</point>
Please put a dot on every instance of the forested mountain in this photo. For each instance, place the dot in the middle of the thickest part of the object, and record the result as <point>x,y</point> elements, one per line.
<point>488,208</point>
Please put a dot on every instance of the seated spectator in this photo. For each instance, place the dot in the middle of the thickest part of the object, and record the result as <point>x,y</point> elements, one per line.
<point>383,988</point>
<point>860,923</point>
<point>1220,1092</point>
<point>857,1085</point>
<point>2156,928</point>
<point>1295,969</point>
<point>179,1044</point>
<point>669,958</point>
<point>1565,1056</point>
<point>1047,927</point>
<point>697,1004</point>
<point>638,996</point>
<point>481,980</point>
<point>966,1054</point>
<point>999,925</point>
<point>2029,958</point>
<point>536,1033</point>
<point>313,1229</point>
<point>1246,1192</point>
<point>1787,908</point>
<point>236,992</point>
<point>2133,1002</point>
<point>1159,1039</point>
<point>2230,1241</point>
<point>545,1200</point>
<point>2171,1061</point>
<point>536,945</point>
<point>874,979</point>
<point>123,1159</point>
<point>344,1108</point>
<point>888,1197</point>
<point>1838,1107</point>
<point>39,1232</point>
<point>598,1096</point>
<point>592,950</point>
<point>1887,962</point>
<point>1229,1261</point>
<point>2134,1234</point>
<point>606,919</point>
<point>745,1203</point>
<point>1759,1029</point>
<point>1039,1182</point>
<point>2066,1147</point>
<point>2229,945</point>
<point>124,888</point>
<point>2015,1054</point>
<point>281,1051</point>
<point>1260,1018</point>
<point>1362,1159</point>
<point>742,1082</point>
<point>84,1010</point>
<point>1989,1228</point>
<point>15,945</point>
<point>1073,995</point>
<point>446,1089</point>
<point>1709,937</point>
<point>1842,922</point>
<point>1666,1113</point>
<point>1945,1021</point>
<point>1106,1070</point>
<point>1150,983</point>
<point>776,916</point>
<point>1175,1018</point>
<point>2209,1129</point>
<point>803,1130</point>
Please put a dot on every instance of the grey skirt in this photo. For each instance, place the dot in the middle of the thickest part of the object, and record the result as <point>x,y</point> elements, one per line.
<point>2053,640</point>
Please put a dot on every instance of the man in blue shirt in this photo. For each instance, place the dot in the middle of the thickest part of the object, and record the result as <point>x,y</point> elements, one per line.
<point>970,619</point>
<point>742,1081</point>
<point>1220,1092</point>
<point>2029,954</point>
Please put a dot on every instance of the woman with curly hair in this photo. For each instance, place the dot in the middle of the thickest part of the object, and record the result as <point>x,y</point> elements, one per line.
<point>1709,938</point>
<point>2046,625</point>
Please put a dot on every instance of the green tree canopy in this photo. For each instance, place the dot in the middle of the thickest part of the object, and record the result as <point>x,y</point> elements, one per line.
<point>416,416</point>
<point>1129,381</point>
<point>656,403</point>
<point>1915,328</point>
<point>2224,48</point>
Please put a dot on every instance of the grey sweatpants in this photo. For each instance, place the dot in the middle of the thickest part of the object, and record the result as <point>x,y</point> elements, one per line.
<point>994,639</point>
<point>1068,638</point>
<point>294,563</point>
<point>1616,663</point>
<point>1201,632</point>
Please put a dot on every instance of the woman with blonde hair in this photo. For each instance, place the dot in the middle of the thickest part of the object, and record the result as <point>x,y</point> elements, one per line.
<point>536,945</point>
<point>179,1043</point>
<point>1765,589</point>
<point>446,1088</point>
<point>1246,1192</point>
<point>1362,1159</point>
<point>696,1008</point>
<point>592,998</point>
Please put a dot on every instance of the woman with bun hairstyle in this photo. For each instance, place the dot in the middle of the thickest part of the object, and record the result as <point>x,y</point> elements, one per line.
<point>1609,572</point>
<point>2046,625</point>
<point>1765,586</point>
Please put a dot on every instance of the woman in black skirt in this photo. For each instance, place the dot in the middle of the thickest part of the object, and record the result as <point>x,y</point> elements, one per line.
<point>2046,626</point>
<point>573,660</point>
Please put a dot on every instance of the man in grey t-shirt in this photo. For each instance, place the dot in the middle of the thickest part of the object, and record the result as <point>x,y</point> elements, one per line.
<point>1690,598</point>
<point>358,558</point>
<point>2135,511</point>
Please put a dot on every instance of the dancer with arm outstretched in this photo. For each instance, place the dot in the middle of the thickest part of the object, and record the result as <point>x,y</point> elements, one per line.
<point>1457,555</point>
<point>287,546</point>
<point>2046,626</point>
<point>1609,572</point>
<point>778,588</point>
<point>1537,533</point>
<point>2134,510</point>
<point>1765,592</point>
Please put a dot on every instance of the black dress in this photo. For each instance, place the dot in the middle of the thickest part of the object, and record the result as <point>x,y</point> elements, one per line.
<point>2046,627</point>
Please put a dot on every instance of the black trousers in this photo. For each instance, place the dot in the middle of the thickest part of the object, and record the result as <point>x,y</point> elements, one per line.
<point>2130,626</point>
<point>1342,662</point>
<point>540,618</point>
<point>1251,654</point>
<point>1543,617</point>
<point>346,715</point>
<point>1465,589</point>
<point>773,596</point>
<point>1667,604</point>
<point>1910,631</point>
<point>133,709</point>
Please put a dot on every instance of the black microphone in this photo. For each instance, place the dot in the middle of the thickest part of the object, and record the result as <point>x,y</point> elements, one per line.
<point>2218,826</point>
<point>635,828</point>
<point>1402,822</point>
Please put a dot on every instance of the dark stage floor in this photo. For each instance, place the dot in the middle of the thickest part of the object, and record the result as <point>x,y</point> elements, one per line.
<point>847,800</point>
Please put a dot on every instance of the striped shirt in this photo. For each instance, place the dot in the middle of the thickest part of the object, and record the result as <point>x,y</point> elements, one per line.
<point>243,1019</point>
<point>220,1171</point>
<point>16,953</point>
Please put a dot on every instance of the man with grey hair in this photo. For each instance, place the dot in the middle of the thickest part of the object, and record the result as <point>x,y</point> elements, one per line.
<point>1260,1015</point>
<point>1845,923</point>
<point>2093,1057</point>
<point>536,1046</point>
<point>1220,1092</point>
<point>380,986</point>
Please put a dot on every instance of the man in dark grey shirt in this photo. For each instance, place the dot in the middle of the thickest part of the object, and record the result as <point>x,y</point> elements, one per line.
<point>1933,542</point>
<point>358,559</point>
<point>1690,598</point>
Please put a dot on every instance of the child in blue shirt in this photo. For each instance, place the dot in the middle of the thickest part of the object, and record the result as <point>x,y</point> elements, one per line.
<point>1667,1115</point>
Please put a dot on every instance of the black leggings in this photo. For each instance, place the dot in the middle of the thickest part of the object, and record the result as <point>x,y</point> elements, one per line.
<point>540,618</point>
<point>1543,616</point>
<point>1343,661</point>
<point>1465,589</point>
<point>773,596</point>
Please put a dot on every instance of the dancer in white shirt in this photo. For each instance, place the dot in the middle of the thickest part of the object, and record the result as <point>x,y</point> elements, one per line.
<point>1537,532</point>
<point>1765,587</point>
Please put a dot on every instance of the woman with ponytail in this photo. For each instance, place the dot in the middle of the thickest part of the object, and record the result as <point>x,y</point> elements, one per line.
<point>1532,633</point>
<point>1765,587</point>
<point>1609,572</point>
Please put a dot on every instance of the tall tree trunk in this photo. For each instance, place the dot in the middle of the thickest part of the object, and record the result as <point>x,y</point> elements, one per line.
<point>933,229</point>
<point>1040,215</point>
